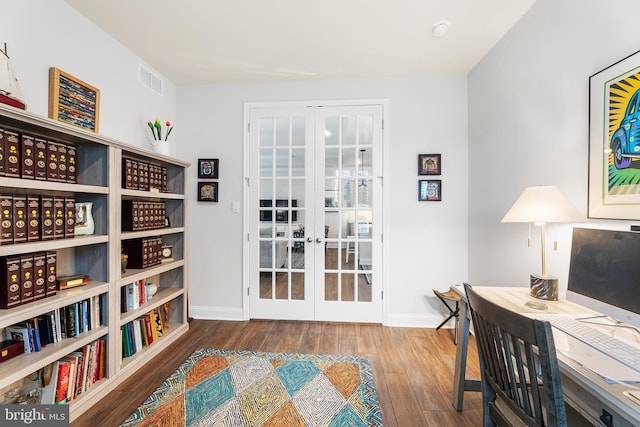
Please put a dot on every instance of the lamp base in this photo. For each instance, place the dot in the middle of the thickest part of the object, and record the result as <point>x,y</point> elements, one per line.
<point>544,287</point>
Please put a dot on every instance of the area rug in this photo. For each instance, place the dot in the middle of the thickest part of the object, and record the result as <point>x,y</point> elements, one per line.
<point>243,388</point>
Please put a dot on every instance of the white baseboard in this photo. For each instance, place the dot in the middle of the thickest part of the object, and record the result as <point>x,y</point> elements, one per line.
<point>216,313</point>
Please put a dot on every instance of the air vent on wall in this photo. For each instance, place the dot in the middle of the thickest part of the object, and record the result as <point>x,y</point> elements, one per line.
<point>150,80</point>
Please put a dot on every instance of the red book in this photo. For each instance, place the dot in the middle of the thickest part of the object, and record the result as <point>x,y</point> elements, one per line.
<point>71,164</point>
<point>33,218</point>
<point>147,324</point>
<point>6,219</point>
<point>62,387</point>
<point>59,217</point>
<point>20,218</point>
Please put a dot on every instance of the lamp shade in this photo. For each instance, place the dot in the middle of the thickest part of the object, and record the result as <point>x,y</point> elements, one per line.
<point>542,204</point>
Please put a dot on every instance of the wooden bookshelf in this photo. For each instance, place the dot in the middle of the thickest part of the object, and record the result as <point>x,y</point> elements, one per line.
<point>99,180</point>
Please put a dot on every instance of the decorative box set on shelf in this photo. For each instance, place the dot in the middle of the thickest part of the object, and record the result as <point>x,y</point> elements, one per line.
<point>143,176</point>
<point>143,252</point>
<point>143,215</point>
<point>34,157</point>
<point>27,277</point>
<point>30,218</point>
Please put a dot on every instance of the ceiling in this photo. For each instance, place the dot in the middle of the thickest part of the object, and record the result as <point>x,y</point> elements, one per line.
<point>226,41</point>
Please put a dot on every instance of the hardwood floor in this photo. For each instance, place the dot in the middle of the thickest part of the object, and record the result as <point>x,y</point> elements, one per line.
<point>413,368</point>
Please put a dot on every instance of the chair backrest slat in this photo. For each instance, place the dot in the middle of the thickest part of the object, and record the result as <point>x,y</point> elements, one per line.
<point>519,366</point>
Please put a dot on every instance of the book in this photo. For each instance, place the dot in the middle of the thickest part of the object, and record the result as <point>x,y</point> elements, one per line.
<point>52,160</point>
<point>26,278</point>
<point>12,153</point>
<point>27,154</point>
<point>59,217</point>
<point>70,217</point>
<point>47,218</point>
<point>33,218</point>
<point>135,182</point>
<point>148,331</point>
<point>40,158</point>
<point>6,219</point>
<point>62,384</point>
<point>52,282</point>
<point>39,275</point>
<point>159,324</point>
<point>10,286</point>
<point>62,162</point>
<point>133,296</point>
<point>19,218</point>
<point>72,177</point>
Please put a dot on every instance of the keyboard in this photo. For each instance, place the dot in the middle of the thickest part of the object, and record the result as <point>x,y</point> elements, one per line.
<point>624,353</point>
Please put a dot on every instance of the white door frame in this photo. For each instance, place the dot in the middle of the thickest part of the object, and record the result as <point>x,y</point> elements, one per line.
<point>246,193</point>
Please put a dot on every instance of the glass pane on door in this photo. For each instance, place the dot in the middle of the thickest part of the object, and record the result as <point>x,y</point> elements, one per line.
<point>348,155</point>
<point>282,208</point>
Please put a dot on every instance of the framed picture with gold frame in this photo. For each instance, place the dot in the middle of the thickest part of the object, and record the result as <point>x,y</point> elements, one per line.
<point>73,101</point>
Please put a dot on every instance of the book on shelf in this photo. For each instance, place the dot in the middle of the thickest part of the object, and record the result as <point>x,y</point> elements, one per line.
<point>52,282</point>
<point>47,218</point>
<point>39,275</point>
<point>33,218</point>
<point>62,383</point>
<point>59,220</point>
<point>62,162</point>
<point>6,219</point>
<point>52,161</point>
<point>20,332</point>
<point>27,152</point>
<point>2,156</point>
<point>26,278</point>
<point>10,288</point>
<point>19,218</point>
<point>12,153</point>
<point>40,157</point>
<point>71,163</point>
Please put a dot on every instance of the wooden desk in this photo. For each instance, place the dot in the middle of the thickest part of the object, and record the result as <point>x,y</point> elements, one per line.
<point>584,390</point>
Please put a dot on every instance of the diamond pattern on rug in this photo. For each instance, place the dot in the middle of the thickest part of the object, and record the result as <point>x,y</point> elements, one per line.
<point>228,388</point>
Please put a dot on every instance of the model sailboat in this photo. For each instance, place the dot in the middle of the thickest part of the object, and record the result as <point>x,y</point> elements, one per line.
<point>9,88</point>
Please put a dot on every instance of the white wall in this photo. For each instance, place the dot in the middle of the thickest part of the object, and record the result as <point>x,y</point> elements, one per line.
<point>49,33</point>
<point>425,243</point>
<point>528,125</point>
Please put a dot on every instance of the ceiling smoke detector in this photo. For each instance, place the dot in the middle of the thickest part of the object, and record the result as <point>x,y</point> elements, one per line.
<point>440,28</point>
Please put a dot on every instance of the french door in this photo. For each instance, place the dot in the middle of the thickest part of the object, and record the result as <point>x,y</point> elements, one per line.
<point>315,203</point>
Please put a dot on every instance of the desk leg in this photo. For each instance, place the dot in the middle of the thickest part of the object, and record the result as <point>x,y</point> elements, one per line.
<point>461,356</point>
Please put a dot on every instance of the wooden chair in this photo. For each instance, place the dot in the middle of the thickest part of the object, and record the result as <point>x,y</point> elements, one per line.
<point>521,382</point>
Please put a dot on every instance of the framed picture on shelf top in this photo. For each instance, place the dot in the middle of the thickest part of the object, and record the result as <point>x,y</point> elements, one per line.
<point>73,101</point>
<point>429,164</point>
<point>207,191</point>
<point>430,190</point>
<point>208,168</point>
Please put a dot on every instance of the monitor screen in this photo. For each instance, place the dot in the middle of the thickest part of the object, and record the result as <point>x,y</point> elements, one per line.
<point>604,272</point>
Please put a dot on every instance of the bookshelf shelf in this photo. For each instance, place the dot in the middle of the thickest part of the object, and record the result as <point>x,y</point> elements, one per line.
<point>14,369</point>
<point>99,164</point>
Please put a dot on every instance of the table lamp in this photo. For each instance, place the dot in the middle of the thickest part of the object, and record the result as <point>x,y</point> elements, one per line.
<point>541,205</point>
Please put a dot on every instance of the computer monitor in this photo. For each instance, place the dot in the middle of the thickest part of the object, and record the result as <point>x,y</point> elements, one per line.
<point>604,272</point>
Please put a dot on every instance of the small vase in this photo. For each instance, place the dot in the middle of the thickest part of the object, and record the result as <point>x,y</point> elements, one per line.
<point>160,147</point>
<point>84,218</point>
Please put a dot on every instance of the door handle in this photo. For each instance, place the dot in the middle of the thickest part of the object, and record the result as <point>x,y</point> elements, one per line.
<point>318,240</point>
<point>309,240</point>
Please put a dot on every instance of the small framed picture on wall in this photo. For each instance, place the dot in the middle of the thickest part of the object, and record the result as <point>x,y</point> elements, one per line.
<point>208,168</point>
<point>207,191</point>
<point>429,164</point>
<point>430,190</point>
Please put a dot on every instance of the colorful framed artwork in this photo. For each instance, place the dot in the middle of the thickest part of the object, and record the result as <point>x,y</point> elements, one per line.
<point>430,190</point>
<point>73,101</point>
<point>208,168</point>
<point>614,141</point>
<point>429,164</point>
<point>207,191</point>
